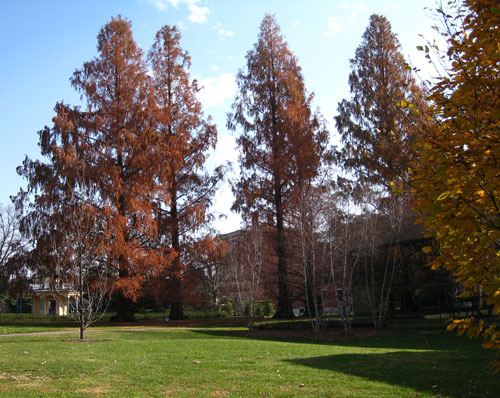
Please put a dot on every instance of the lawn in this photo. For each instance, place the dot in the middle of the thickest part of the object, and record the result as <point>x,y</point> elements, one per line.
<point>405,362</point>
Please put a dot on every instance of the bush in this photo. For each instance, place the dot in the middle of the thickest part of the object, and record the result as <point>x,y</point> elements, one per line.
<point>229,309</point>
<point>267,308</point>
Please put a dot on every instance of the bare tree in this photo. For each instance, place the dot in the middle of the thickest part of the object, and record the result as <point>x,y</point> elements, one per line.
<point>215,271</point>
<point>379,254</point>
<point>13,273</point>
<point>344,241</point>
<point>308,221</point>
<point>247,255</point>
<point>79,268</point>
<point>9,236</point>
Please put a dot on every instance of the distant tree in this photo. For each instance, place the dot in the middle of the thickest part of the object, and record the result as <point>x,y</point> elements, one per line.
<point>307,222</point>
<point>187,138</point>
<point>111,146</point>
<point>343,240</point>
<point>12,247</point>
<point>379,133</point>
<point>281,141</point>
<point>247,257</point>
<point>215,272</point>
<point>457,170</point>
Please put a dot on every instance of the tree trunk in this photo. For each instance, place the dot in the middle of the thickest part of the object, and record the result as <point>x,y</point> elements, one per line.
<point>284,310</point>
<point>176,310</point>
<point>125,309</point>
<point>176,302</point>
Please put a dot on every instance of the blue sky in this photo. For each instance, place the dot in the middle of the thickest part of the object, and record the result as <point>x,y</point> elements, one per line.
<point>43,42</point>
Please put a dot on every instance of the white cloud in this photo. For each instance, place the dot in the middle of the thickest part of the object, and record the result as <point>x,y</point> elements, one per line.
<point>344,5</point>
<point>214,68</point>
<point>297,23</point>
<point>221,31</point>
<point>361,7</point>
<point>226,220</point>
<point>226,150</point>
<point>225,33</point>
<point>163,5</point>
<point>198,14</point>
<point>334,25</point>
<point>215,90</point>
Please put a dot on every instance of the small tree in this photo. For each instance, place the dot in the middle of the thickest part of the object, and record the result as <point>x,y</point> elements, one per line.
<point>343,241</point>
<point>308,223</point>
<point>79,266</point>
<point>13,275</point>
<point>247,256</point>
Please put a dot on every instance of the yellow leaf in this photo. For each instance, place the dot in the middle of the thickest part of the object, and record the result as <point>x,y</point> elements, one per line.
<point>427,249</point>
<point>443,195</point>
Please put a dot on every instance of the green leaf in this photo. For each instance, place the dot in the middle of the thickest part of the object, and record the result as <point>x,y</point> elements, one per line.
<point>420,48</point>
<point>495,10</point>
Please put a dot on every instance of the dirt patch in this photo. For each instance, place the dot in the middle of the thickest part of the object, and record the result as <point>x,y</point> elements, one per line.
<point>21,378</point>
<point>94,390</point>
<point>220,394</point>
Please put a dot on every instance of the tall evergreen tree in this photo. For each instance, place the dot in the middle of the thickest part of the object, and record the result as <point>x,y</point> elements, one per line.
<point>106,148</point>
<point>379,126</point>
<point>375,124</point>
<point>281,140</point>
<point>186,137</point>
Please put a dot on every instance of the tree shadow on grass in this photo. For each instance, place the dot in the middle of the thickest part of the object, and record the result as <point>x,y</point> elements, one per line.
<point>431,361</point>
<point>422,339</point>
<point>438,373</point>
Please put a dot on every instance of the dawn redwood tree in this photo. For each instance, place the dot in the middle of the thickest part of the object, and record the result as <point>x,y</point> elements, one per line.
<point>187,138</point>
<point>112,145</point>
<point>376,127</point>
<point>281,140</point>
<point>379,126</point>
<point>457,170</point>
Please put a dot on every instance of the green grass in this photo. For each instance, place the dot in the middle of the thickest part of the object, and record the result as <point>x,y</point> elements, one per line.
<point>407,362</point>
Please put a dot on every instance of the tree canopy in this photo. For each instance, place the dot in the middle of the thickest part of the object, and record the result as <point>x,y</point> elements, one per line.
<point>377,133</point>
<point>457,171</point>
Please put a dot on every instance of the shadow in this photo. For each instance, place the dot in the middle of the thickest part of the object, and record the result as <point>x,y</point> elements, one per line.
<point>38,324</point>
<point>396,339</point>
<point>446,374</point>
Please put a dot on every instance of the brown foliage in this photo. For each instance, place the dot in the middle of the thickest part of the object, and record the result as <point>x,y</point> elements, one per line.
<point>281,141</point>
<point>186,137</point>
